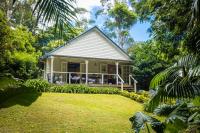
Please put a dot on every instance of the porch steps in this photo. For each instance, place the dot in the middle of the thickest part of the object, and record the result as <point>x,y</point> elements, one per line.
<point>126,86</point>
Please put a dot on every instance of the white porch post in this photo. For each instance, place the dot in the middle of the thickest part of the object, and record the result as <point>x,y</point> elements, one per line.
<point>46,69</point>
<point>44,74</point>
<point>51,72</point>
<point>86,72</point>
<point>102,79</point>
<point>117,72</point>
<point>66,70</point>
<point>69,78</point>
<point>135,86</point>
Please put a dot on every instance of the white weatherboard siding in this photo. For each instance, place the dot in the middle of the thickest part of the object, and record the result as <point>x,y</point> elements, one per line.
<point>92,44</point>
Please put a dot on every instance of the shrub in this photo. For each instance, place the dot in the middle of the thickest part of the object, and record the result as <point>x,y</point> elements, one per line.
<point>37,85</point>
<point>69,88</point>
<point>141,97</point>
<point>109,90</point>
<point>133,96</point>
<point>147,107</point>
<point>125,94</point>
<point>43,86</point>
<point>74,88</point>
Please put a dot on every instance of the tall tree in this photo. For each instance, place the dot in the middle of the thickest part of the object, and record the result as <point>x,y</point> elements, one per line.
<point>60,12</point>
<point>5,35</point>
<point>119,20</point>
<point>147,62</point>
<point>47,39</point>
<point>22,14</point>
<point>170,24</point>
<point>17,54</point>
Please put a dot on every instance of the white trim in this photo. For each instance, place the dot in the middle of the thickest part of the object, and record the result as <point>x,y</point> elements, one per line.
<point>86,71</point>
<point>117,72</point>
<point>51,72</point>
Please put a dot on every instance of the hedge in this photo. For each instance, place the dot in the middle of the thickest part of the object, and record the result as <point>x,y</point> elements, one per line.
<point>40,85</point>
<point>43,86</point>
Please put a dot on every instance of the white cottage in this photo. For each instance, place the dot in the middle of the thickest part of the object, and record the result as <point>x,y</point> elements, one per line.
<point>92,58</point>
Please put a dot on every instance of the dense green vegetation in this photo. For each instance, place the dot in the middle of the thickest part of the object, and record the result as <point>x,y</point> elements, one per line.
<point>61,112</point>
<point>174,26</point>
<point>168,64</point>
<point>146,62</point>
<point>10,87</point>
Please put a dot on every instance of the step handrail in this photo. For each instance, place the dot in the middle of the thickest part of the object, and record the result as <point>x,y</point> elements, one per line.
<point>135,82</point>
<point>122,82</point>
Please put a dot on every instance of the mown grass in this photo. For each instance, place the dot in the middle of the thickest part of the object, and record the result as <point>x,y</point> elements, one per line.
<point>71,113</point>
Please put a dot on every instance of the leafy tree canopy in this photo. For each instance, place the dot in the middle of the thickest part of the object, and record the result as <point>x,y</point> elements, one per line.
<point>18,56</point>
<point>119,20</point>
<point>170,24</point>
<point>147,62</point>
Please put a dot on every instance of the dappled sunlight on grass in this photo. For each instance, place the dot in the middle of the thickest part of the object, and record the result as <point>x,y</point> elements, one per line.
<point>26,99</point>
<point>59,112</point>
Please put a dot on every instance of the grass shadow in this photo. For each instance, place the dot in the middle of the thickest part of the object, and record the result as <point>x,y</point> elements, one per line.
<point>24,99</point>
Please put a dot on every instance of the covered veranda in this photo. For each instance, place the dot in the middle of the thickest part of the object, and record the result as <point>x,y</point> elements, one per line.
<point>89,71</point>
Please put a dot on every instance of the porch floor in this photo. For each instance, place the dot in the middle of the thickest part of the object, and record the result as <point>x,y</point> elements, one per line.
<point>125,86</point>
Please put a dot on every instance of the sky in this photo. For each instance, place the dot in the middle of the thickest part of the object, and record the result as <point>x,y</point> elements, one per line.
<point>138,31</point>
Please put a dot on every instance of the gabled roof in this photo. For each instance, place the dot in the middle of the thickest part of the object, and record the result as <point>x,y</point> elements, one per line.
<point>93,43</point>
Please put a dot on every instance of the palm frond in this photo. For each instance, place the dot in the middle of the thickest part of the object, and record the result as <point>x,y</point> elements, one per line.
<point>161,77</point>
<point>195,17</point>
<point>196,10</point>
<point>62,12</point>
<point>182,112</point>
<point>182,80</point>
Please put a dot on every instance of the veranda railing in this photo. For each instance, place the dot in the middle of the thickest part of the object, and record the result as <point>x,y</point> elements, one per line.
<point>82,77</point>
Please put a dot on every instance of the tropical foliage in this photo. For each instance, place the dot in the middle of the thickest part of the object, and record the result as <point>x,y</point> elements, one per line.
<point>147,62</point>
<point>170,59</point>
<point>180,118</point>
<point>18,56</point>
<point>61,12</point>
<point>22,40</point>
<point>182,80</point>
<point>142,121</point>
<point>175,28</point>
<point>171,26</point>
<point>178,82</point>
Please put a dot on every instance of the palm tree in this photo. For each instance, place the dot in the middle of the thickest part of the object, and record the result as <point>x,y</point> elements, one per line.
<point>196,10</point>
<point>182,80</point>
<point>62,12</point>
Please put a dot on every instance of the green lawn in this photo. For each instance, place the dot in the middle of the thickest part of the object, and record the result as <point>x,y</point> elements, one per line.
<point>71,113</point>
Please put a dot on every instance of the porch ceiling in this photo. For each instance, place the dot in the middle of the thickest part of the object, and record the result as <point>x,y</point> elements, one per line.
<point>82,59</point>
